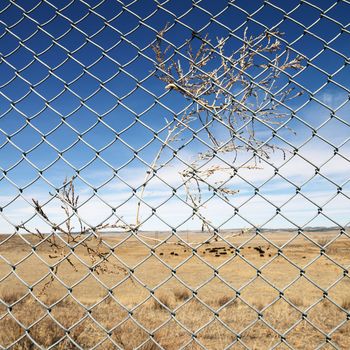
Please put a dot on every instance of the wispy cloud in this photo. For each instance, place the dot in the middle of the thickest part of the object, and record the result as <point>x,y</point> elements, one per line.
<point>253,208</point>
<point>315,168</point>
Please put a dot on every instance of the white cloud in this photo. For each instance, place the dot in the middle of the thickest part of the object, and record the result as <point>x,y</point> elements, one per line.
<point>257,210</point>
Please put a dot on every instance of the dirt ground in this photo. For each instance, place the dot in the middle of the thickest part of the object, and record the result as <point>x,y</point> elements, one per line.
<point>276,289</point>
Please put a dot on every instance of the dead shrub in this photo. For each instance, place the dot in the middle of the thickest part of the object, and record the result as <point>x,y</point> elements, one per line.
<point>83,236</point>
<point>163,303</point>
<point>207,79</point>
<point>323,241</point>
<point>10,296</point>
<point>259,305</point>
<point>47,332</point>
<point>223,300</point>
<point>346,304</point>
<point>182,294</point>
<point>296,300</point>
<point>13,333</point>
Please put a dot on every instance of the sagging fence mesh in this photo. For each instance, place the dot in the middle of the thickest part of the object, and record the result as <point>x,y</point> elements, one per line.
<point>174,174</point>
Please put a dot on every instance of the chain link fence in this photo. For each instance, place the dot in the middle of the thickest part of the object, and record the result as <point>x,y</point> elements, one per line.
<point>174,174</point>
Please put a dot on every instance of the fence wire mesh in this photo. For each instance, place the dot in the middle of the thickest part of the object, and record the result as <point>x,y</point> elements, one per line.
<point>174,174</point>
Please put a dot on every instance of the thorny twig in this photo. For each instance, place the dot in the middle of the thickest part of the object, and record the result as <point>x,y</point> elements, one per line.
<point>67,236</point>
<point>236,91</point>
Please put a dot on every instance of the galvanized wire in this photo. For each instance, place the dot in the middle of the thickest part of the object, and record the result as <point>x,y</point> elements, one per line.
<point>56,21</point>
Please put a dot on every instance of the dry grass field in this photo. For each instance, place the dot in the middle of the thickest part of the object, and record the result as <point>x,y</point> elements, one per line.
<point>240,294</point>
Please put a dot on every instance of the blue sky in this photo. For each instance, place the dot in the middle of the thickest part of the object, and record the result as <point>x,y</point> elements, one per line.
<point>69,76</point>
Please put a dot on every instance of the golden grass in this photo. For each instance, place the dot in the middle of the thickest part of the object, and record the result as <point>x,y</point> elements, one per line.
<point>346,304</point>
<point>164,303</point>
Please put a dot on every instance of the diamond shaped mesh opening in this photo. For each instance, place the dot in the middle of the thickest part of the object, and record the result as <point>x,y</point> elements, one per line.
<point>174,174</point>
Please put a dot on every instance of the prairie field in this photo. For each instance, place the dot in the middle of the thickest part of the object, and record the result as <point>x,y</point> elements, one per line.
<point>278,290</point>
